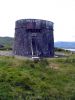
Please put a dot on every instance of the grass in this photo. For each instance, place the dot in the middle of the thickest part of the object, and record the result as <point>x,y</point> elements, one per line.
<point>47,79</point>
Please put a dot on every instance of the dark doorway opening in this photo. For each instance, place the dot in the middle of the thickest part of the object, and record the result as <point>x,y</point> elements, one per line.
<point>34,46</point>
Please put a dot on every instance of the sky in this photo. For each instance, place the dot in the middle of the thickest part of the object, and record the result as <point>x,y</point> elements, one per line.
<point>60,12</point>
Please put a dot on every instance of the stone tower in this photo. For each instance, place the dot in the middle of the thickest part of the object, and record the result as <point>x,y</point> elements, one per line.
<point>34,38</point>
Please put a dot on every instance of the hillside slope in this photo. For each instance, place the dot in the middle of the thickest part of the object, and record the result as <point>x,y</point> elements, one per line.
<point>47,79</point>
<point>6,41</point>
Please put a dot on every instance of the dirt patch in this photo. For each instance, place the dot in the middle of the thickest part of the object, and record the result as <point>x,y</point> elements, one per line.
<point>54,66</point>
<point>6,53</point>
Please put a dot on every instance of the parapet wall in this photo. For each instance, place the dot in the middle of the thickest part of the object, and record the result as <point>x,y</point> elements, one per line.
<point>33,23</point>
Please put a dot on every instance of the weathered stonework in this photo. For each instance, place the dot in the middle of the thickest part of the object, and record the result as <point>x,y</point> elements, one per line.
<point>34,37</point>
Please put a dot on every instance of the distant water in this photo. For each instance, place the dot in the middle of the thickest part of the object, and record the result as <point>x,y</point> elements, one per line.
<point>71,50</point>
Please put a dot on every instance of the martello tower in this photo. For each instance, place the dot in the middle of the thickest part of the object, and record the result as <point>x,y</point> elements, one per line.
<point>34,37</point>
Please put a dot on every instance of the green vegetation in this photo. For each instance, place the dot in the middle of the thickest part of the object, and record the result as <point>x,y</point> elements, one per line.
<point>7,42</point>
<point>47,79</point>
<point>6,48</point>
<point>61,50</point>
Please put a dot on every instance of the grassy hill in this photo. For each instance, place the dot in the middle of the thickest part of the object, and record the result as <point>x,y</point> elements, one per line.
<point>6,41</point>
<point>47,79</point>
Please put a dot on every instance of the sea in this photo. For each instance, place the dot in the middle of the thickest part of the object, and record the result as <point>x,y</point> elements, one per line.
<point>73,50</point>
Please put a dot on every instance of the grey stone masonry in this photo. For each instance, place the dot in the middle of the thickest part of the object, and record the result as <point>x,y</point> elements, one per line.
<point>34,37</point>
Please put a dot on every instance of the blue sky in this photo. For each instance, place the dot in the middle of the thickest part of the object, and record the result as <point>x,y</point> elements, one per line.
<point>61,12</point>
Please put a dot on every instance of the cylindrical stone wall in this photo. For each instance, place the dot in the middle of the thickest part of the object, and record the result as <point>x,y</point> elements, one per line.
<point>34,37</point>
